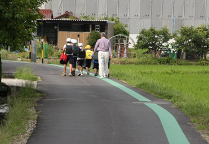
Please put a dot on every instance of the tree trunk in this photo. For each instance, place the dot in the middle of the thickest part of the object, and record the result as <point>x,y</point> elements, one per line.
<point>155,52</point>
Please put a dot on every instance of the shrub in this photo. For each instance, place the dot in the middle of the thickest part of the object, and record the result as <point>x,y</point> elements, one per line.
<point>58,54</point>
<point>92,38</point>
<point>25,73</point>
<point>203,62</point>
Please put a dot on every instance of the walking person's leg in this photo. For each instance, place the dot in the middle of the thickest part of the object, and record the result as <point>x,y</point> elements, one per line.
<point>106,59</point>
<point>81,67</point>
<point>64,73</point>
<point>74,65</point>
<point>101,64</point>
<point>95,65</point>
<point>71,64</point>
<point>88,64</point>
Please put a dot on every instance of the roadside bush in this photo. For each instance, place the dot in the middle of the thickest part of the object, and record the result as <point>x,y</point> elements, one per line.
<point>58,54</point>
<point>4,54</point>
<point>50,48</point>
<point>24,55</point>
<point>25,73</point>
<point>203,62</point>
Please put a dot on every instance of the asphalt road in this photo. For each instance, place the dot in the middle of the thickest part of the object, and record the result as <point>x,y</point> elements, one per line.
<point>90,110</point>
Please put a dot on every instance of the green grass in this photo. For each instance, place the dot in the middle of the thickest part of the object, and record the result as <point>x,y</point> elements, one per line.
<point>185,86</point>
<point>25,73</point>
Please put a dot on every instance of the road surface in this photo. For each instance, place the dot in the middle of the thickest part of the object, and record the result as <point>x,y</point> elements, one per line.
<point>90,110</point>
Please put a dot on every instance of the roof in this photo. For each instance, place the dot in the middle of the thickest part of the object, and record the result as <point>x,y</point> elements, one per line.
<point>77,20</point>
<point>47,13</point>
<point>66,15</point>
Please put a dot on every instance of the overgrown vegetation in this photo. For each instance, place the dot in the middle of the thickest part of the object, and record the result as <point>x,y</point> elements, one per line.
<point>49,50</point>
<point>21,118</point>
<point>25,73</point>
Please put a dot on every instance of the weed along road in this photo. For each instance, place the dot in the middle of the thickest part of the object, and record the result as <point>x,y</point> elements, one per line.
<point>90,110</point>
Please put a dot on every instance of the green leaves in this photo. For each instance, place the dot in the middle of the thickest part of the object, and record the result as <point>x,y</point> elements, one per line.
<point>17,21</point>
<point>92,38</point>
<point>193,39</point>
<point>152,38</point>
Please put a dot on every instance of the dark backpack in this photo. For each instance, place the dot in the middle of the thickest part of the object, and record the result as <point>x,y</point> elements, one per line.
<point>82,54</point>
<point>95,56</point>
<point>69,49</point>
<point>76,50</point>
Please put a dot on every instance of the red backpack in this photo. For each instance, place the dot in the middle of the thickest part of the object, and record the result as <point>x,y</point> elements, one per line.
<point>63,58</point>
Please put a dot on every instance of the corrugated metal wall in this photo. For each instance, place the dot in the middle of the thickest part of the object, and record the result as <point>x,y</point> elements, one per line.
<point>139,14</point>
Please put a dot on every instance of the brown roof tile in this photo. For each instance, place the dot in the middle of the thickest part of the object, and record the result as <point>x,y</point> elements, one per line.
<point>47,13</point>
<point>66,15</point>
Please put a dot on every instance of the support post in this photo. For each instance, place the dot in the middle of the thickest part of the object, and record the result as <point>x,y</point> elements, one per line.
<point>30,53</point>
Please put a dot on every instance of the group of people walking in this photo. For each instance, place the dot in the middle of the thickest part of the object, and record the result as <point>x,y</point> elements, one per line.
<point>77,55</point>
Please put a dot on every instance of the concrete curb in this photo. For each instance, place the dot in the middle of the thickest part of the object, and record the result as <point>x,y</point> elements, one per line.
<point>18,82</point>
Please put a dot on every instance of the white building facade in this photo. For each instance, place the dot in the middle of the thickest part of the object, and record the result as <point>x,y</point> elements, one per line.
<point>139,14</point>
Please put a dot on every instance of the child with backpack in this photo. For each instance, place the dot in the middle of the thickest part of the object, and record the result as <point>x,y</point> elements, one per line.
<point>67,49</point>
<point>80,59</point>
<point>89,53</point>
<point>95,63</point>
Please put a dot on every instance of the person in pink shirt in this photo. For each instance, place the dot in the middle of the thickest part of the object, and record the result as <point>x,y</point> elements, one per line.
<point>103,47</point>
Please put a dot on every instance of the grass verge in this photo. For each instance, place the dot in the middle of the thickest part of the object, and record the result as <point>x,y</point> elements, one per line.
<point>19,122</point>
<point>185,86</point>
<point>21,119</point>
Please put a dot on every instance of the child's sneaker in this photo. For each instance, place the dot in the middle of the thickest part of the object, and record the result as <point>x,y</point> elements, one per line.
<point>70,74</point>
<point>79,74</point>
<point>64,74</point>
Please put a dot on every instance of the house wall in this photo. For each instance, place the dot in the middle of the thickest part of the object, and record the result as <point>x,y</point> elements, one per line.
<point>63,35</point>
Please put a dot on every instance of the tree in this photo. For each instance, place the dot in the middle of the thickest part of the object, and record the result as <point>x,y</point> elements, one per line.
<point>18,21</point>
<point>119,27</point>
<point>193,39</point>
<point>201,40</point>
<point>184,38</point>
<point>92,38</point>
<point>152,39</point>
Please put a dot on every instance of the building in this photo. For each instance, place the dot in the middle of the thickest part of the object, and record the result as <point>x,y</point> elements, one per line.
<point>56,31</point>
<point>139,14</point>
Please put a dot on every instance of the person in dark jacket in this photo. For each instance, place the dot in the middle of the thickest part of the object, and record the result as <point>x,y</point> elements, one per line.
<point>69,56</point>
<point>80,59</point>
<point>75,55</point>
